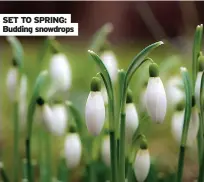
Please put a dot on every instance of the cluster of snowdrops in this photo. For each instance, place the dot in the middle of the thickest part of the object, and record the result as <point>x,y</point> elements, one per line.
<point>123,136</point>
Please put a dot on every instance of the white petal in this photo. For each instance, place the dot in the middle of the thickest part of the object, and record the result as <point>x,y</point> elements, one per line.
<point>197,87</point>
<point>23,100</point>
<point>173,92</point>
<point>111,64</point>
<point>47,116</point>
<point>72,149</point>
<point>156,102</point>
<point>177,125</point>
<point>60,72</point>
<point>131,121</point>
<point>59,122</point>
<point>12,83</point>
<point>105,151</point>
<point>142,165</point>
<point>95,113</point>
<point>193,127</point>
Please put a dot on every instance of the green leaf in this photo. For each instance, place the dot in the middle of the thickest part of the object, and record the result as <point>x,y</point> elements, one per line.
<point>40,81</point>
<point>196,50</point>
<point>188,104</point>
<point>17,49</point>
<point>139,59</point>
<point>100,37</point>
<point>77,117</point>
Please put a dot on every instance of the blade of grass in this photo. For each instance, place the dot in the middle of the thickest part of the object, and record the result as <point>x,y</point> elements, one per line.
<point>31,110</point>
<point>196,50</point>
<point>187,115</point>
<point>100,37</point>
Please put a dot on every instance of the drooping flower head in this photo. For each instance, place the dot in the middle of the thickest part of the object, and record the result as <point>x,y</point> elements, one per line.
<point>12,81</point>
<point>95,109</point>
<point>156,102</point>
<point>142,162</point>
<point>132,121</point>
<point>178,121</point>
<point>72,150</point>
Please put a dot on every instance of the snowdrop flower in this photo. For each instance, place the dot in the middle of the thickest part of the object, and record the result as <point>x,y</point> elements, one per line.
<point>173,92</point>
<point>23,99</point>
<point>177,124</point>
<point>105,150</point>
<point>156,102</point>
<point>58,125</point>
<point>60,73</point>
<point>198,79</point>
<point>72,150</point>
<point>12,82</point>
<point>132,121</point>
<point>111,64</point>
<point>142,162</point>
<point>95,109</point>
<point>45,113</point>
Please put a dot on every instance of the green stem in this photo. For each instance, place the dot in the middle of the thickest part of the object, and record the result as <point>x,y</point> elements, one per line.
<point>63,172</point>
<point>130,172</point>
<point>16,141</point>
<point>4,175</point>
<point>113,150</point>
<point>48,156</point>
<point>180,163</point>
<point>29,167</point>
<point>122,148</point>
<point>91,176</point>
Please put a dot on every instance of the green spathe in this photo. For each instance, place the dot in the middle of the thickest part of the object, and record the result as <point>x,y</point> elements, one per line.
<point>180,106</point>
<point>129,98</point>
<point>153,70</point>
<point>40,101</point>
<point>95,84</point>
<point>143,144</point>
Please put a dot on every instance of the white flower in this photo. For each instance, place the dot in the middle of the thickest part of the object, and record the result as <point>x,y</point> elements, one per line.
<point>95,112</point>
<point>73,150</point>
<point>23,99</point>
<point>177,126</point>
<point>156,102</point>
<point>58,125</point>
<point>197,87</point>
<point>105,150</point>
<point>12,83</point>
<point>173,92</point>
<point>60,72</point>
<point>111,64</point>
<point>47,116</point>
<point>132,121</point>
<point>142,164</point>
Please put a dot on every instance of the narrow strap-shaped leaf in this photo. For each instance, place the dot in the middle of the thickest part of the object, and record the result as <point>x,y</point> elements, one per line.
<point>76,115</point>
<point>188,104</point>
<point>196,50</point>
<point>100,37</point>
<point>17,49</point>
<point>3,173</point>
<point>139,59</point>
<point>36,91</point>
